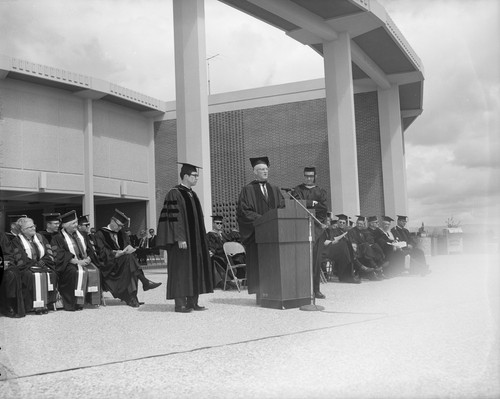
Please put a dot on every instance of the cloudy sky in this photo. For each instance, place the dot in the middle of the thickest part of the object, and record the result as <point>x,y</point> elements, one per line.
<point>452,149</point>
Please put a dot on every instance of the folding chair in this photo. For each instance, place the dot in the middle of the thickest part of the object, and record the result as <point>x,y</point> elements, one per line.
<point>231,249</point>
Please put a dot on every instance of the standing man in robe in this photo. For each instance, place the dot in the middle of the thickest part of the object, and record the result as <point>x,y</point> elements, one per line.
<point>120,270</point>
<point>181,230</point>
<point>256,198</point>
<point>316,199</point>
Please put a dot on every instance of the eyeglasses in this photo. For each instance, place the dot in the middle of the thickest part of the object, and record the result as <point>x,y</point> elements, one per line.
<point>218,222</point>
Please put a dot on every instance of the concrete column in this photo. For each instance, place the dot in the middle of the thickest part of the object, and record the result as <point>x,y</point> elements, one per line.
<point>393,158</point>
<point>193,140</point>
<point>341,125</point>
<point>151,219</point>
<point>88,161</point>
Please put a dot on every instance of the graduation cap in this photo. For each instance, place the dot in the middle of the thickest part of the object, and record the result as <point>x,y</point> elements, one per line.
<point>187,168</point>
<point>217,218</point>
<point>68,217</point>
<point>360,218</point>
<point>387,219</point>
<point>310,169</point>
<point>120,216</point>
<point>342,217</point>
<point>372,219</point>
<point>401,217</point>
<point>52,217</point>
<point>83,220</point>
<point>259,160</point>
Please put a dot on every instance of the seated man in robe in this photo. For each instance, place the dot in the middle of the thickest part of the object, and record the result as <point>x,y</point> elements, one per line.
<point>394,255</point>
<point>334,245</point>
<point>32,253</point>
<point>120,270</point>
<point>14,279</point>
<point>216,239</point>
<point>75,263</point>
<point>418,264</point>
<point>52,224</point>
<point>363,251</point>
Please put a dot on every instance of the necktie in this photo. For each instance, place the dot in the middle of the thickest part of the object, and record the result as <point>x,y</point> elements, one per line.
<point>264,190</point>
<point>81,252</point>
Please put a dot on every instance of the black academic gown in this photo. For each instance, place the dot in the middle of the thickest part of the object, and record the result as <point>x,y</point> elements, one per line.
<point>418,263</point>
<point>341,253</point>
<point>251,206</point>
<point>67,272</point>
<point>181,219</point>
<point>18,284</point>
<point>118,275</point>
<point>394,256</point>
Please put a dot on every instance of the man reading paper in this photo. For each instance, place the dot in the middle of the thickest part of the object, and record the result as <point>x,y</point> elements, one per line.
<point>119,267</point>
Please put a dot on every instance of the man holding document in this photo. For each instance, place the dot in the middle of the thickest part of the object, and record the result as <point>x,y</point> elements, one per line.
<point>333,245</point>
<point>119,267</point>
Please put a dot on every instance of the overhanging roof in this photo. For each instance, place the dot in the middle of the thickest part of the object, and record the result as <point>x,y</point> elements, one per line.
<point>80,85</point>
<point>379,51</point>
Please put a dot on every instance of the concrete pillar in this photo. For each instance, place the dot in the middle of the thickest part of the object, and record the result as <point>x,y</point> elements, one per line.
<point>193,140</point>
<point>341,125</point>
<point>88,161</point>
<point>393,158</point>
<point>151,219</point>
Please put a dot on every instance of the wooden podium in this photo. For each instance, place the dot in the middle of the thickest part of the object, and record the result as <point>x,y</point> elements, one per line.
<point>282,236</point>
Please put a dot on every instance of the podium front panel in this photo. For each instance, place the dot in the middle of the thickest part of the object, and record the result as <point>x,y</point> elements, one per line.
<point>285,280</point>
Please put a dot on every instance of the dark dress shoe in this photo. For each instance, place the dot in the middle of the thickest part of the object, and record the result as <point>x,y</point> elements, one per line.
<point>12,313</point>
<point>198,308</point>
<point>38,312</point>
<point>133,302</point>
<point>183,309</point>
<point>319,295</point>
<point>150,285</point>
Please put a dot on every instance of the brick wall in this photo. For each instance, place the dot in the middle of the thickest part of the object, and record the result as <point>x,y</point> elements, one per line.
<point>292,135</point>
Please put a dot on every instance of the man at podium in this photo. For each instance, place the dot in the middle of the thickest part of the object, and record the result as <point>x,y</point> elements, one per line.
<point>256,198</point>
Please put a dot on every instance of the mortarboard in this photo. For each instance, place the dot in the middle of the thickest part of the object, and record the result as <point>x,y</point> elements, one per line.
<point>387,219</point>
<point>256,161</point>
<point>52,217</point>
<point>120,216</point>
<point>401,217</point>
<point>372,219</point>
<point>187,168</point>
<point>83,219</point>
<point>68,217</point>
<point>217,218</point>
<point>310,169</point>
<point>360,218</point>
<point>342,217</point>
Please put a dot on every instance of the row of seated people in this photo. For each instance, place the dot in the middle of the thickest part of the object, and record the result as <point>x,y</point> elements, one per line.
<point>144,243</point>
<point>73,263</point>
<point>368,251</point>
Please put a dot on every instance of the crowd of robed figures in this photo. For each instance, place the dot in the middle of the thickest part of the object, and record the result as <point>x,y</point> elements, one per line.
<point>67,259</point>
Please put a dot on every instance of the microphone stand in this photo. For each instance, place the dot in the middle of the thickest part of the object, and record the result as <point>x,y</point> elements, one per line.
<point>313,306</point>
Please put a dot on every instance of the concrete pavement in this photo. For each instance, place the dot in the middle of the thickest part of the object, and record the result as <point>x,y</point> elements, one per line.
<point>407,337</point>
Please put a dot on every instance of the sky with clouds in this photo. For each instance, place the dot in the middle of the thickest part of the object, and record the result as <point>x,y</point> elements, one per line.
<point>453,166</point>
